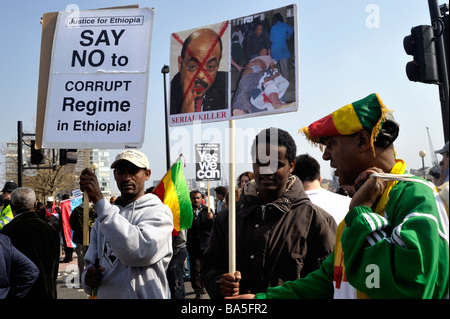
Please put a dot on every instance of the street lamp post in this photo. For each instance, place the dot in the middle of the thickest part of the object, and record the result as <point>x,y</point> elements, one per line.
<point>165,69</point>
<point>423,154</point>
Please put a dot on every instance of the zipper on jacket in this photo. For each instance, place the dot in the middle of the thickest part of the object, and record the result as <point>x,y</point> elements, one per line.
<point>263,212</point>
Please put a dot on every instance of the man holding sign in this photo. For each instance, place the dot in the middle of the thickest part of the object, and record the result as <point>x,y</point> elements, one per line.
<point>280,234</point>
<point>132,239</point>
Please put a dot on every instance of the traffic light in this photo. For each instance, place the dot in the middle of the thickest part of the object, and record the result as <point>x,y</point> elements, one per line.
<point>420,44</point>
<point>37,156</point>
<point>65,158</point>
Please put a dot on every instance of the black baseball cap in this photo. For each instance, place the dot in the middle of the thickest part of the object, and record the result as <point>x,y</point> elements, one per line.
<point>9,187</point>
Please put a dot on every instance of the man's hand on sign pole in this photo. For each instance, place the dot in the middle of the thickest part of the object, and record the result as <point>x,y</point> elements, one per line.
<point>229,284</point>
<point>89,184</point>
<point>93,276</point>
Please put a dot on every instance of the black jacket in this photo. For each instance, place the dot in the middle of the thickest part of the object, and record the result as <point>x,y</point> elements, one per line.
<point>199,233</point>
<point>278,242</point>
<point>40,243</point>
<point>76,223</point>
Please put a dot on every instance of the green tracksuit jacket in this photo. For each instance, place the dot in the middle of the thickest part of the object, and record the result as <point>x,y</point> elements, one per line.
<point>404,254</point>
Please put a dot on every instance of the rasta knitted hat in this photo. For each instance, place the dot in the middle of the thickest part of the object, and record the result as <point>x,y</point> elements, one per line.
<point>368,113</point>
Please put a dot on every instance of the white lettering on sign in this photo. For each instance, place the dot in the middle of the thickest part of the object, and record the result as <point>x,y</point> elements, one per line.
<point>207,162</point>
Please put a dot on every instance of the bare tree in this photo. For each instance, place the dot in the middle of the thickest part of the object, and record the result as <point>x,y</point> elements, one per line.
<point>45,182</point>
<point>49,182</point>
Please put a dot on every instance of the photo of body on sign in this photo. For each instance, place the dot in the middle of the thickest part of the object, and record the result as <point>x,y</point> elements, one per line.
<point>239,68</point>
<point>207,159</point>
<point>98,82</point>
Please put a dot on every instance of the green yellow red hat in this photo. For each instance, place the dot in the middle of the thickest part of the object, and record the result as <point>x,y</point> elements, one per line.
<point>367,113</point>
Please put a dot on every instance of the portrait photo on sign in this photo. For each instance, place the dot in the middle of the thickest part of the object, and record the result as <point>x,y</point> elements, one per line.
<point>264,63</point>
<point>199,75</point>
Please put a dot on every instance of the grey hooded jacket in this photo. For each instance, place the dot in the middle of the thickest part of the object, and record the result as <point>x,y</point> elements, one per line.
<point>134,244</point>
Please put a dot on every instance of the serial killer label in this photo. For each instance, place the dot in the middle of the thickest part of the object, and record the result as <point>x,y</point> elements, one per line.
<point>191,117</point>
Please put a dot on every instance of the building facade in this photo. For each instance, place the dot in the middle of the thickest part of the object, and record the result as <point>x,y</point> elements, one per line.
<point>98,161</point>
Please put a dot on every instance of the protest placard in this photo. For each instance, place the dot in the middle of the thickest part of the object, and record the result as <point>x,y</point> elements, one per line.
<point>207,157</point>
<point>244,67</point>
<point>98,79</point>
<point>199,75</point>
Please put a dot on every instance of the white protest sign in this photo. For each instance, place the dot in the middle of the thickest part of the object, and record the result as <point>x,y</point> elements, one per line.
<point>207,162</point>
<point>98,83</point>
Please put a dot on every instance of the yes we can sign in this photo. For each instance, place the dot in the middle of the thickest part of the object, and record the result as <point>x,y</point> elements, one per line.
<point>207,158</point>
<point>98,80</point>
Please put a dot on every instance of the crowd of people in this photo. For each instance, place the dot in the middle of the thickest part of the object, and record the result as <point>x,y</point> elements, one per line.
<point>34,231</point>
<point>294,238</point>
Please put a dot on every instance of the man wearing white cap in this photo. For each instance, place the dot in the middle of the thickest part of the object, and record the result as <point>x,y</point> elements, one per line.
<point>52,213</point>
<point>131,241</point>
<point>51,209</point>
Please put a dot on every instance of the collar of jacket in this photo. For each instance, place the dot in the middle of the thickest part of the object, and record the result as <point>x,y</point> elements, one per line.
<point>293,194</point>
<point>202,207</point>
<point>26,215</point>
